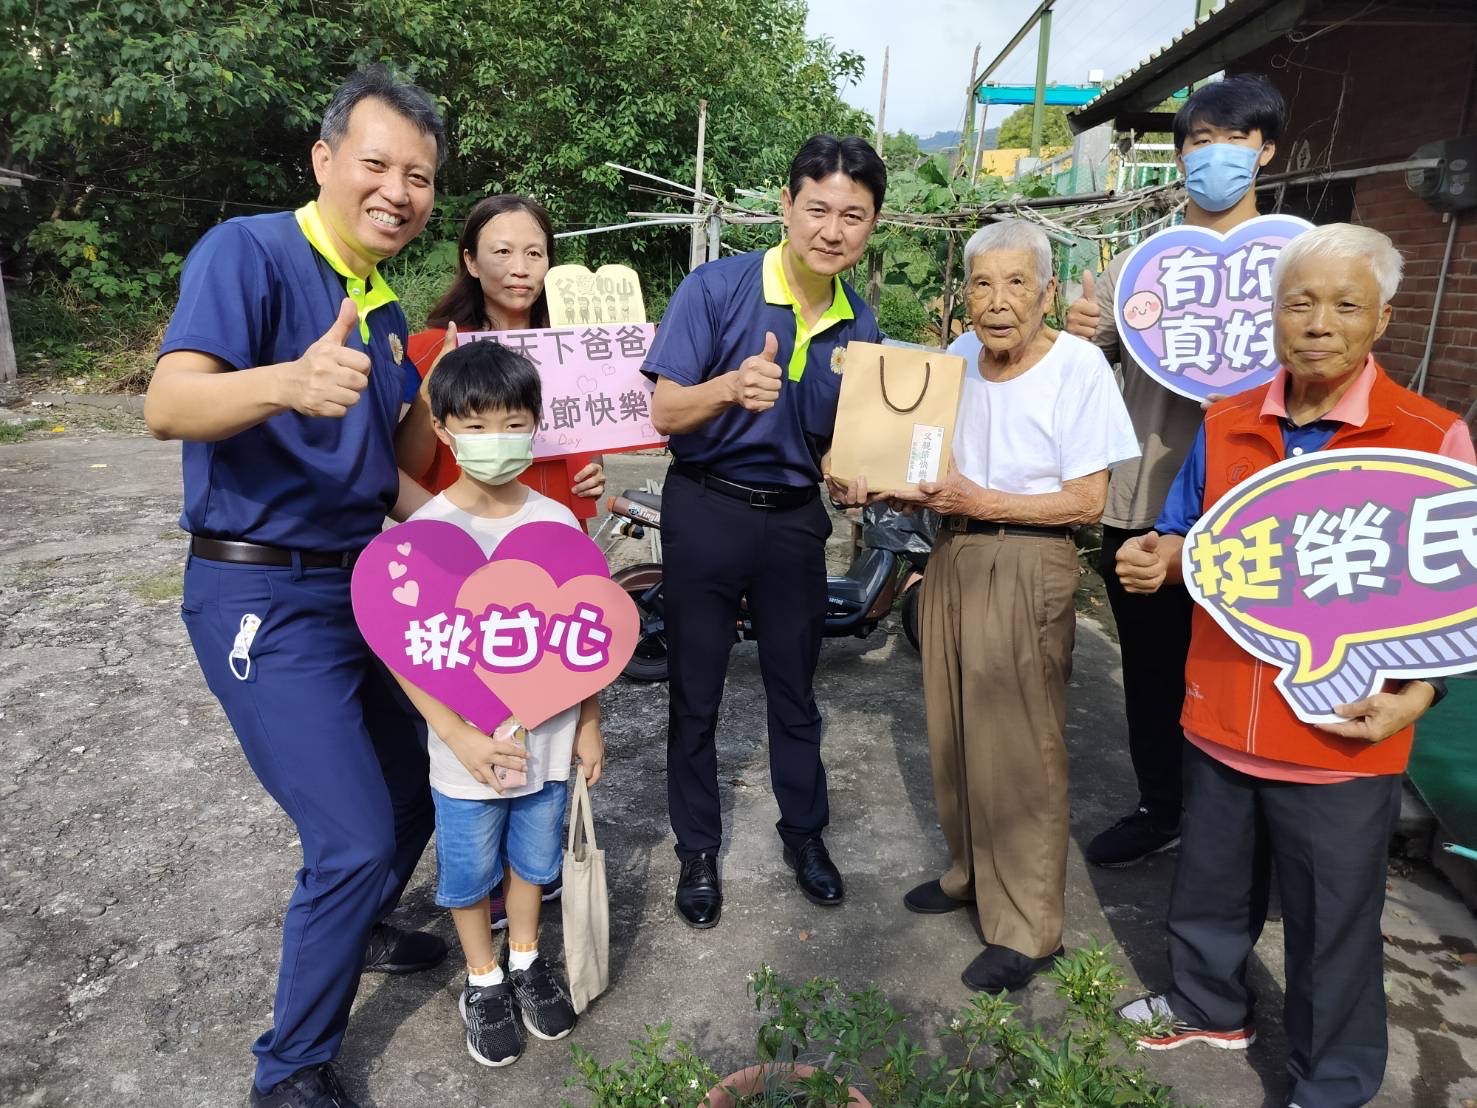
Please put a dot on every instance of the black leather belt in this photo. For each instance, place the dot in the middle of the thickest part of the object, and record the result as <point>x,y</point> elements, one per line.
<point>255,554</point>
<point>784,497</point>
<point>962,525</point>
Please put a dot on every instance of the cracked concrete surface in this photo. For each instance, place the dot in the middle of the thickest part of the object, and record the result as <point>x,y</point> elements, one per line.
<point>143,871</point>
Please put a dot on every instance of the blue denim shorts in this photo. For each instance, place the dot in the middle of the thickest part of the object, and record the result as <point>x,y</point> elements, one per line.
<point>474,836</point>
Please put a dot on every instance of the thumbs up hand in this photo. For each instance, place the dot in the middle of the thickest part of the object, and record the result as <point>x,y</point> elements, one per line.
<point>756,382</point>
<point>1084,314</point>
<point>1140,567</point>
<point>328,378</point>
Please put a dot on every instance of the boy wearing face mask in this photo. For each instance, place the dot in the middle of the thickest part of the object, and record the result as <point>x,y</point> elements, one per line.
<point>493,831</point>
<point>1225,133</point>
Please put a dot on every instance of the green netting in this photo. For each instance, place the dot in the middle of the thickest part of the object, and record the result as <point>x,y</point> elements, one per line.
<point>1443,765</point>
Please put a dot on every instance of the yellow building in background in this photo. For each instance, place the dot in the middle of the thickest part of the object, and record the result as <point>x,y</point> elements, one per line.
<point>1001,163</point>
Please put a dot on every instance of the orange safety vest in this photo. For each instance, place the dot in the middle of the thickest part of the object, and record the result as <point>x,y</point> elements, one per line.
<point>1230,698</point>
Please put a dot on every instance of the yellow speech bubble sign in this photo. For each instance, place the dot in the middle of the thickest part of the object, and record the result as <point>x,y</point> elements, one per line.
<point>611,294</point>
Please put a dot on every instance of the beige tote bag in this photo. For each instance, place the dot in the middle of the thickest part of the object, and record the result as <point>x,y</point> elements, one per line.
<point>586,903</point>
<point>895,416</point>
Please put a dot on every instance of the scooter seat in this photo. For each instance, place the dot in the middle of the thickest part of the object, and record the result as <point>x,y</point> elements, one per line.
<point>862,582</point>
<point>652,500</point>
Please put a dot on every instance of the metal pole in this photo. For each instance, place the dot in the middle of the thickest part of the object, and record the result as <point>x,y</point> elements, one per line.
<point>1038,115</point>
<point>698,253</point>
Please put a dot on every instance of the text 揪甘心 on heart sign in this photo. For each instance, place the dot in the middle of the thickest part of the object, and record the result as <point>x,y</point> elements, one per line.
<point>532,630</point>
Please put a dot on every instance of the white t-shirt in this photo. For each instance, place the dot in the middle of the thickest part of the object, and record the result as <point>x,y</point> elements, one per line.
<point>1061,419</point>
<point>551,744</point>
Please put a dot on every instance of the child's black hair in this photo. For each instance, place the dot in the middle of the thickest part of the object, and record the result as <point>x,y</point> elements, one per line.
<point>484,377</point>
<point>1244,103</point>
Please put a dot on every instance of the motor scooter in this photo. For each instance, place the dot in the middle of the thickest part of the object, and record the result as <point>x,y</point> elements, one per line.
<point>856,601</point>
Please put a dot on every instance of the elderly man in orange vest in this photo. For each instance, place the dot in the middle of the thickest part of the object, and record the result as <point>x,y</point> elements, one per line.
<point>1261,785</point>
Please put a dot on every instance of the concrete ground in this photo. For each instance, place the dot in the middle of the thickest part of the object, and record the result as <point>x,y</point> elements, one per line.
<point>143,871</point>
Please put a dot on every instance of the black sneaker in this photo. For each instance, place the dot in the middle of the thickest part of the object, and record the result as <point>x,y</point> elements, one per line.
<point>547,1011</point>
<point>392,950</point>
<point>312,1087</point>
<point>1132,839</point>
<point>491,1015</point>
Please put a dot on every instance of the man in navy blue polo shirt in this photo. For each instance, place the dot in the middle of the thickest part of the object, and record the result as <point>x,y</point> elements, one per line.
<point>747,363</point>
<point>284,372</point>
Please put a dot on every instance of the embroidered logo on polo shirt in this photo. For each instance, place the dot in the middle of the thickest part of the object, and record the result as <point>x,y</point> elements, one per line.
<point>838,360</point>
<point>397,348</point>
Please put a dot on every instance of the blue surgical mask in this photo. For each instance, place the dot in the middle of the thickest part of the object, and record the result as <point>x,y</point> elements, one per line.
<point>1217,176</point>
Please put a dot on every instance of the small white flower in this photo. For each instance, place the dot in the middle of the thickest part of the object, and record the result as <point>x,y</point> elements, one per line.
<point>1034,1082</point>
<point>692,1084</point>
<point>956,1025</point>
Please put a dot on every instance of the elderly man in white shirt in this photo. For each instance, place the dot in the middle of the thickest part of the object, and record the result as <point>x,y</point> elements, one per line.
<point>1040,424</point>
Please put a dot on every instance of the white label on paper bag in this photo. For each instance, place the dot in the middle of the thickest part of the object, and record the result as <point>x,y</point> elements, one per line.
<point>926,453</point>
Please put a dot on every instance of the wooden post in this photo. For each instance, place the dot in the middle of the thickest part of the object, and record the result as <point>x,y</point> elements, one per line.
<point>882,104</point>
<point>698,253</point>
<point>7,350</point>
<point>874,256</point>
<point>946,325</point>
<point>964,137</point>
<point>8,368</point>
<point>979,146</point>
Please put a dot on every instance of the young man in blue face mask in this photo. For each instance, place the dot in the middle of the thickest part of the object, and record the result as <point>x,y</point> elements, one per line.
<point>1224,134</point>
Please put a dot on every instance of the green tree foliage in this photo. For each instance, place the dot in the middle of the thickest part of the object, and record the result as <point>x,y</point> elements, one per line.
<point>1015,132</point>
<point>150,120</point>
<point>901,151</point>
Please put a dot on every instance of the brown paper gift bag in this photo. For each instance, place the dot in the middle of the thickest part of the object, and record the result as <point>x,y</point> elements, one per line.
<point>586,903</point>
<point>895,417</point>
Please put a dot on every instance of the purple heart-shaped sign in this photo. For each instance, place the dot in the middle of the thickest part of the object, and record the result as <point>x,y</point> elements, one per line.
<point>1194,306</point>
<point>413,572</point>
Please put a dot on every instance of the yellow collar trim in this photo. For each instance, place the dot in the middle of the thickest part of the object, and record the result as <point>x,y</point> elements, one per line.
<point>777,291</point>
<point>366,295</point>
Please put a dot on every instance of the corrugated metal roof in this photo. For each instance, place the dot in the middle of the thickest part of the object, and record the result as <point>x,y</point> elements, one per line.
<point>1183,48</point>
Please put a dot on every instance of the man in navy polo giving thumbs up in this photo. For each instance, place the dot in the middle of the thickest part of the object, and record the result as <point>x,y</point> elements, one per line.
<point>747,363</point>
<point>284,372</point>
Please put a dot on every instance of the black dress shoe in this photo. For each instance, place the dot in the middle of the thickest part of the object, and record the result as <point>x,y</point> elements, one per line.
<point>999,967</point>
<point>392,950</point>
<point>929,899</point>
<point>312,1087</point>
<point>815,873</point>
<point>699,895</point>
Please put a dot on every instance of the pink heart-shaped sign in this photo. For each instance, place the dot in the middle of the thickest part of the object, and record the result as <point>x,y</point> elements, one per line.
<point>416,625</point>
<point>536,667</point>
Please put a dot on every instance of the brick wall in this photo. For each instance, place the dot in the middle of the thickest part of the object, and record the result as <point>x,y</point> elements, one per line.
<point>1360,93</point>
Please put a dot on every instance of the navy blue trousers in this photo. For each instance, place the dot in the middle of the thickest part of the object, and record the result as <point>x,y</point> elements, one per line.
<point>338,746</point>
<point>716,550</point>
<point>1330,844</point>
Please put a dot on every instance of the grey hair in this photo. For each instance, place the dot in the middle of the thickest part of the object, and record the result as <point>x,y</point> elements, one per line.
<point>411,101</point>
<point>1346,242</point>
<point>1011,234</point>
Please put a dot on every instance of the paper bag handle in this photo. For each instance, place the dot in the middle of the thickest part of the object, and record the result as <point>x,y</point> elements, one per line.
<point>581,838</point>
<point>882,376</point>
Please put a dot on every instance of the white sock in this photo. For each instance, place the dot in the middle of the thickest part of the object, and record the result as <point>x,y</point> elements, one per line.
<point>521,959</point>
<point>481,980</point>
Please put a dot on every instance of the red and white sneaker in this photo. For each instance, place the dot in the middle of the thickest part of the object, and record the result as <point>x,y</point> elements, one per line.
<point>1162,1031</point>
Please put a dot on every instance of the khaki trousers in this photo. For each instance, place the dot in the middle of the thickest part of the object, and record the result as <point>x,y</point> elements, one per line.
<point>998,626</point>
